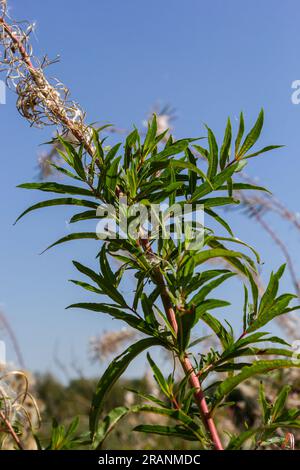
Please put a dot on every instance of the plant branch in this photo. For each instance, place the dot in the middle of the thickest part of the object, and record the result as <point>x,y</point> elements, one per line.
<point>185,361</point>
<point>11,430</point>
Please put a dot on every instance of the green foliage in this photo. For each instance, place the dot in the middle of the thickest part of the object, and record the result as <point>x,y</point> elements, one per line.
<point>173,284</point>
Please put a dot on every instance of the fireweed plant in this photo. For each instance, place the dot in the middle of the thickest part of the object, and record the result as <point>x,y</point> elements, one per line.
<point>174,277</point>
<point>174,287</point>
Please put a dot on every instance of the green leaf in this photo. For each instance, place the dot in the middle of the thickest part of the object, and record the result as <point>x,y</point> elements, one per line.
<point>245,186</point>
<point>171,431</point>
<point>219,219</point>
<point>280,402</point>
<point>177,414</point>
<point>112,153</point>
<point>217,201</point>
<point>107,273</point>
<point>245,311</point>
<point>192,174</point>
<point>112,176</point>
<point>225,149</point>
<point>148,311</point>
<point>264,404</point>
<point>202,151</point>
<point>159,376</point>
<point>85,215</point>
<point>53,187</point>
<point>64,171</point>
<point>112,374</point>
<point>59,202</point>
<point>265,149</point>
<point>259,367</point>
<point>107,425</point>
<point>73,236</point>
<point>271,290</point>
<point>270,306</point>
<point>189,166</point>
<point>88,272</point>
<point>203,293</point>
<point>185,322</point>
<point>173,149</point>
<point>213,155</point>
<point>217,181</point>
<point>236,442</point>
<point>240,134</point>
<point>216,326</point>
<point>116,313</point>
<point>253,135</point>
<point>87,286</point>
<point>150,140</point>
<point>207,255</point>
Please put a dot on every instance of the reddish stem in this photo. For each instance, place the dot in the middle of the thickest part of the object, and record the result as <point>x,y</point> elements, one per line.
<point>185,362</point>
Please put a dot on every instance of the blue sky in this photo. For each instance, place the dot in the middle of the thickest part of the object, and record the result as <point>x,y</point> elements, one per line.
<point>208,60</point>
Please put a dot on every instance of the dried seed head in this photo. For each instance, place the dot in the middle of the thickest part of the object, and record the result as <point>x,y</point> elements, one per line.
<point>109,343</point>
<point>40,100</point>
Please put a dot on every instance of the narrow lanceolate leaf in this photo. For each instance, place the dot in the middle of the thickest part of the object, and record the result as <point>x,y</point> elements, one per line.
<point>271,290</point>
<point>203,293</point>
<point>244,186</point>
<point>192,175</point>
<point>173,149</point>
<point>150,137</point>
<point>176,414</point>
<point>170,431</point>
<point>161,381</point>
<point>52,187</point>
<point>216,326</point>
<point>240,242</point>
<point>259,367</point>
<point>240,134</point>
<point>190,428</point>
<point>270,305</point>
<point>245,308</point>
<point>108,424</point>
<point>217,201</point>
<point>265,406</point>
<point>112,153</point>
<point>217,181</point>
<point>112,374</point>
<point>279,307</point>
<point>69,201</point>
<point>219,219</point>
<point>88,272</point>
<point>116,313</point>
<point>225,149</point>
<point>213,155</point>
<point>189,166</point>
<point>265,149</point>
<point>64,171</point>
<point>236,442</point>
<point>280,402</point>
<point>206,255</point>
<point>73,236</point>
<point>87,286</point>
<point>85,215</point>
<point>185,324</point>
<point>105,267</point>
<point>253,135</point>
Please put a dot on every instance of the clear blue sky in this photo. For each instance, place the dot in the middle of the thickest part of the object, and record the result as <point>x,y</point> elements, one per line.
<point>208,60</point>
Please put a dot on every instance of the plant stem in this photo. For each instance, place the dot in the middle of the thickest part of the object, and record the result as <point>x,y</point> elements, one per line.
<point>11,430</point>
<point>185,362</point>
